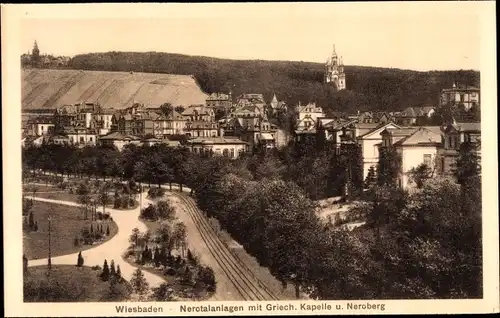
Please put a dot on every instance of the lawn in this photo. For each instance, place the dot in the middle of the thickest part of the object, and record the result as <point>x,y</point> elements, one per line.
<point>67,283</point>
<point>54,193</point>
<point>67,221</point>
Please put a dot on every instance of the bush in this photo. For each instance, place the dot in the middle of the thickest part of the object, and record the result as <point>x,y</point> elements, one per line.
<point>96,268</point>
<point>206,276</point>
<point>118,203</point>
<point>156,192</point>
<point>82,189</point>
<point>62,185</point>
<point>170,271</point>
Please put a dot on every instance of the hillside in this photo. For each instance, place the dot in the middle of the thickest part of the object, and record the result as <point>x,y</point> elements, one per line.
<point>50,88</point>
<point>369,88</point>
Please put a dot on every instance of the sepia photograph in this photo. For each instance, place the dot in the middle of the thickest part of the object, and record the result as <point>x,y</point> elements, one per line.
<point>257,158</point>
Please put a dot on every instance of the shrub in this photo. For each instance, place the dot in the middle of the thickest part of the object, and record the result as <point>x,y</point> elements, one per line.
<point>96,268</point>
<point>82,189</point>
<point>206,276</point>
<point>118,203</point>
<point>156,192</point>
<point>163,292</point>
<point>170,271</point>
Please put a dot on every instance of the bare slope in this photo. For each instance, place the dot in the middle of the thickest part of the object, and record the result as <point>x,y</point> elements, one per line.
<point>46,88</point>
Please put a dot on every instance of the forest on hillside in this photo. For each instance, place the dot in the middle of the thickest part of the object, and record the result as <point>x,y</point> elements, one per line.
<point>368,88</point>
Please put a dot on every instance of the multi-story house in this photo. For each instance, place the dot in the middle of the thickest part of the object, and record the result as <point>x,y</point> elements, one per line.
<point>469,96</point>
<point>414,146</point>
<point>307,116</point>
<point>102,121</point>
<point>251,100</point>
<point>453,136</point>
<point>199,113</point>
<point>200,128</point>
<point>39,126</point>
<point>220,103</point>
<point>251,125</point>
<point>81,136</point>
<point>172,124</point>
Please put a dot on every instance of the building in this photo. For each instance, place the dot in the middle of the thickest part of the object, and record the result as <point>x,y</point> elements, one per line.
<point>307,116</point>
<point>251,125</point>
<point>200,128</point>
<point>251,100</point>
<point>223,146</point>
<point>102,121</point>
<point>40,126</point>
<point>119,140</point>
<point>81,136</point>
<point>172,124</point>
<point>415,146</point>
<point>220,103</point>
<point>411,115</point>
<point>334,71</point>
<point>469,96</point>
<point>453,136</point>
<point>199,113</point>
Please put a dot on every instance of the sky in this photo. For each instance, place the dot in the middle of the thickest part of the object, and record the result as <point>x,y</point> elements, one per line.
<point>410,35</point>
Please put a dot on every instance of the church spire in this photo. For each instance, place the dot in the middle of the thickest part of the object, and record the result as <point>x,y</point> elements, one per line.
<point>333,52</point>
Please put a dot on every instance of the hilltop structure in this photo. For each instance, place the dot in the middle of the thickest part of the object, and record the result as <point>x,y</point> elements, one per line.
<point>334,71</point>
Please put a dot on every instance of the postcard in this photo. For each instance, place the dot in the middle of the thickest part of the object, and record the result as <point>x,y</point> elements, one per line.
<point>250,159</point>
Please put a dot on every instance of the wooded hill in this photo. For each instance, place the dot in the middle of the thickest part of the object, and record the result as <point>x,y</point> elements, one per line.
<point>368,88</point>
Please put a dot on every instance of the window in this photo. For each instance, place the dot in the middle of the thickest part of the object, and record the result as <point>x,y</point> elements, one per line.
<point>462,97</point>
<point>231,153</point>
<point>225,152</point>
<point>427,160</point>
<point>90,139</point>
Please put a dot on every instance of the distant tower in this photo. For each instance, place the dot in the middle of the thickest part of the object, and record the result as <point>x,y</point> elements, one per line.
<point>334,71</point>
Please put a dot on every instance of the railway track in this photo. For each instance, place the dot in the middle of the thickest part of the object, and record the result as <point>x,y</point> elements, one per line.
<point>248,286</point>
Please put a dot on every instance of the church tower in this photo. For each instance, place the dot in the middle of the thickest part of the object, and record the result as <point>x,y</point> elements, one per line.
<point>334,71</point>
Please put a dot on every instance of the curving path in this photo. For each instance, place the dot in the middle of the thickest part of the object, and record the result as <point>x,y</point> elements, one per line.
<point>126,220</point>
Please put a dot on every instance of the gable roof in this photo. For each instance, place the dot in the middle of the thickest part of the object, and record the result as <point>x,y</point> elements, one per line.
<point>363,132</point>
<point>421,136</point>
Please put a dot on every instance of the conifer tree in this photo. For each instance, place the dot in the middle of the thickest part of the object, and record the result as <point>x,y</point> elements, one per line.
<point>112,270</point>
<point>105,271</point>
<point>91,228</point>
<point>139,283</point>
<point>107,230</point>
<point>35,228</point>
<point>118,272</point>
<point>79,262</point>
<point>31,221</point>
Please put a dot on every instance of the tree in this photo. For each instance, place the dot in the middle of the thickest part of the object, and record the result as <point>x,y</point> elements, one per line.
<point>371,178</point>
<point>179,109</point>
<point>25,264</point>
<point>35,55</point>
<point>206,275</point>
<point>179,236</point>
<point>118,272</point>
<point>134,237</point>
<point>80,260</point>
<point>139,283</point>
<point>165,210</point>
<point>107,230</point>
<point>31,221</point>
<point>112,270</point>
<point>419,174</point>
<point>105,271</point>
<point>468,163</point>
<point>103,196</point>
<point>163,292</point>
<point>388,166</point>
<point>166,109</point>
<point>85,201</point>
